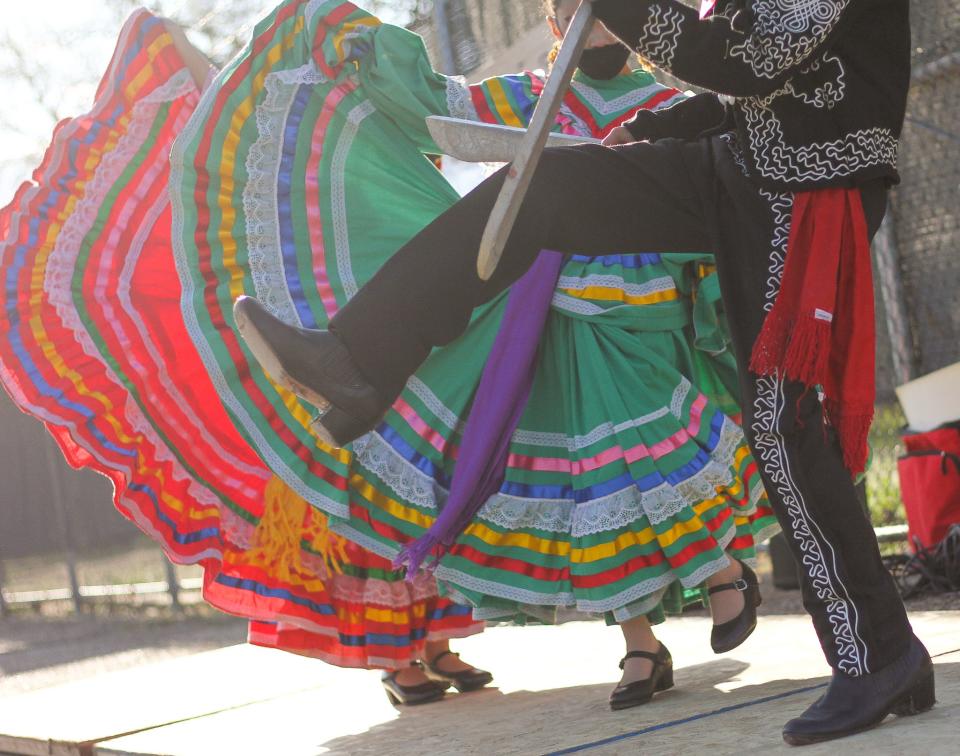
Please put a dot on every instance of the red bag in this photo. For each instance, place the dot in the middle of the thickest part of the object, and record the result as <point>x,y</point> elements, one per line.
<point>930,483</point>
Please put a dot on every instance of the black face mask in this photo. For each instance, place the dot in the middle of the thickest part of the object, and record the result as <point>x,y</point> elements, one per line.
<point>604,62</point>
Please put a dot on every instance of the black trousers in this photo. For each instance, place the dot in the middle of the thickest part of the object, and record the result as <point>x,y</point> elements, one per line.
<point>671,196</point>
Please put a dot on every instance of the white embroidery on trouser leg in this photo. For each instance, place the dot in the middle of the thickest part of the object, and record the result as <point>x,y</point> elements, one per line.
<point>819,557</point>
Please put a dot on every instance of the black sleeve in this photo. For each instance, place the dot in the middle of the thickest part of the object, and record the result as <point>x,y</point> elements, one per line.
<point>778,38</point>
<point>687,119</point>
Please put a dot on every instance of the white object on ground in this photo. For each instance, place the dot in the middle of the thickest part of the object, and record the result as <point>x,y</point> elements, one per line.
<point>932,400</point>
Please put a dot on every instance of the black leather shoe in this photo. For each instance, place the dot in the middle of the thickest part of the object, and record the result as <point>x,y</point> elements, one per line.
<point>640,692</point>
<point>411,695</point>
<point>855,704</point>
<point>728,635</point>
<point>466,681</point>
<point>315,365</point>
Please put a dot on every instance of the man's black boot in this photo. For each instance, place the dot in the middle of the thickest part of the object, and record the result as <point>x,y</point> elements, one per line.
<point>854,704</point>
<point>316,366</point>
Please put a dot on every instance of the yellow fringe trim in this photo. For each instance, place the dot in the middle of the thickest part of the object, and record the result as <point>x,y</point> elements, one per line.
<point>288,525</point>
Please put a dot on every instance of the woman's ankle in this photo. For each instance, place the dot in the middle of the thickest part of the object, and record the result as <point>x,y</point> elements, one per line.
<point>728,574</point>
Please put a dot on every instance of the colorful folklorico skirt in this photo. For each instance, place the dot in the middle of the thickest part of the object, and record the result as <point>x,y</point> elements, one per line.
<point>302,170</point>
<point>92,344</point>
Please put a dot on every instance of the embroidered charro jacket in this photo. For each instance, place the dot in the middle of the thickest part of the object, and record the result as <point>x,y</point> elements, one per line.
<point>817,88</point>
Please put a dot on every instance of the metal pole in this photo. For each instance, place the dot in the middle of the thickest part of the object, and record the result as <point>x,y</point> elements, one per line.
<point>887,258</point>
<point>173,585</point>
<point>63,524</point>
<point>442,23</point>
<point>3,600</point>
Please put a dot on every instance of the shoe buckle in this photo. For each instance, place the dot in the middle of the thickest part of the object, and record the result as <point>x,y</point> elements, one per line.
<point>740,584</point>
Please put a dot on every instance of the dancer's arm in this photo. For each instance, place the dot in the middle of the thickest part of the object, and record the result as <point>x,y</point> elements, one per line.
<point>712,54</point>
<point>687,119</point>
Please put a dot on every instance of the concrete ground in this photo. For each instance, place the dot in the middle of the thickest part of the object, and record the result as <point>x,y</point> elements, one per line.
<point>208,696</point>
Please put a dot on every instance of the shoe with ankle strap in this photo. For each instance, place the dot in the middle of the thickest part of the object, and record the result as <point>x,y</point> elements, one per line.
<point>465,681</point>
<point>640,692</point>
<point>411,695</point>
<point>728,635</point>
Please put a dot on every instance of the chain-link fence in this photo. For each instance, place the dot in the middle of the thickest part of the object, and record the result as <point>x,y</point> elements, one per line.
<point>923,316</point>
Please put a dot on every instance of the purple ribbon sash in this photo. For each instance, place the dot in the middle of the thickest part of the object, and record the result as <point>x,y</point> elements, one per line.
<point>497,407</point>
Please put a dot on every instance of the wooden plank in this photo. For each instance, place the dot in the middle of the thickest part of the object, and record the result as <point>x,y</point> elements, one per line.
<point>93,709</point>
<point>476,142</point>
<point>549,698</point>
<point>244,700</point>
<point>518,178</point>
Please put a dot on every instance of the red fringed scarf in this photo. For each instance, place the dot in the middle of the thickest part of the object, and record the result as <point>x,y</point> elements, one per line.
<point>821,329</point>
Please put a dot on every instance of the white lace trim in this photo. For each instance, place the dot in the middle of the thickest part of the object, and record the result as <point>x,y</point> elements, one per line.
<point>179,85</point>
<point>62,261</point>
<point>622,508</point>
<point>236,530</point>
<point>459,100</point>
<point>433,403</point>
<point>373,545</point>
<point>338,195</point>
<point>601,432</point>
<point>500,590</point>
<point>680,394</point>
<point>548,615</point>
<point>264,252</point>
<point>274,462</point>
<point>654,286</point>
<point>222,465</point>
<point>622,103</point>
<point>637,599</point>
<point>576,124</point>
<point>396,594</point>
<point>611,512</point>
<point>409,483</point>
<point>575,305</point>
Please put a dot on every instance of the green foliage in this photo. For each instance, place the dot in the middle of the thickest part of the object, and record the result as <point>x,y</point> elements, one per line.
<point>883,483</point>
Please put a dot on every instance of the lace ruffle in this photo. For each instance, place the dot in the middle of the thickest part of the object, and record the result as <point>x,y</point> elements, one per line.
<point>409,483</point>
<point>613,512</point>
<point>264,256</point>
<point>60,267</point>
<point>459,101</point>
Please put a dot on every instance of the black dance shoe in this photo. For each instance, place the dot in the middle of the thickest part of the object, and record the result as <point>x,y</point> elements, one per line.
<point>411,695</point>
<point>315,365</point>
<point>728,635</point>
<point>641,691</point>
<point>855,704</point>
<point>465,681</point>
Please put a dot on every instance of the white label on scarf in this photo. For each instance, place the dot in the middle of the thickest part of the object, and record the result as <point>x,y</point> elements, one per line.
<point>823,315</point>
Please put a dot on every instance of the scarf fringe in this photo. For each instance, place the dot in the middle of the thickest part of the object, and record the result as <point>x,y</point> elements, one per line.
<point>827,270</point>
<point>808,353</point>
<point>414,554</point>
<point>800,350</point>
<point>287,526</point>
